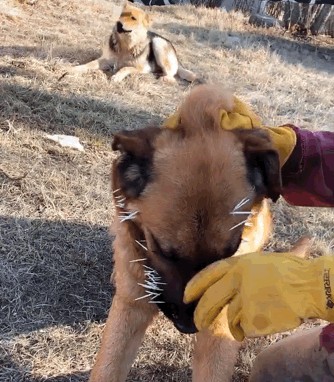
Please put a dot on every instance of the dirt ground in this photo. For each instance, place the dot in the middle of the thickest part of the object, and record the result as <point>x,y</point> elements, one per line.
<point>55,203</point>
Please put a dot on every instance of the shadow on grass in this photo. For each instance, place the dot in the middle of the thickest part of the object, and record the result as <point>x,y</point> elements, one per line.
<point>17,373</point>
<point>53,112</point>
<point>52,272</point>
<point>71,53</point>
<point>146,373</point>
<point>293,52</point>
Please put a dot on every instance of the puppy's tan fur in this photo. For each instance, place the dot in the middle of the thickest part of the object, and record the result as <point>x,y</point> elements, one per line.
<point>183,183</point>
<point>132,48</point>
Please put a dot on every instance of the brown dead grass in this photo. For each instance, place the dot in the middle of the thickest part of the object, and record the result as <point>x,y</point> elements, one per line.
<point>55,205</point>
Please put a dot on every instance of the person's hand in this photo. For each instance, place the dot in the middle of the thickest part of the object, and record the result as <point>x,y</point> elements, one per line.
<point>266,292</point>
<point>235,114</point>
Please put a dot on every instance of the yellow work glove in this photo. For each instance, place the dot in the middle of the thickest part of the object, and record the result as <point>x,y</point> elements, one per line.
<point>241,116</point>
<point>267,293</point>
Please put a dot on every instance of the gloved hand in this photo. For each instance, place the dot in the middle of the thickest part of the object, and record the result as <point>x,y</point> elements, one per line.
<point>266,292</point>
<point>241,116</point>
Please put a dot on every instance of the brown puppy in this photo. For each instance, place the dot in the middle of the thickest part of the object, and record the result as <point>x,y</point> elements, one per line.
<point>132,48</point>
<point>175,191</point>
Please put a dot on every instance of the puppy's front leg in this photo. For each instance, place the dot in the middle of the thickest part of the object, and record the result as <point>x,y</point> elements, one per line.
<point>101,63</point>
<point>124,72</point>
<point>214,357</point>
<point>122,336</point>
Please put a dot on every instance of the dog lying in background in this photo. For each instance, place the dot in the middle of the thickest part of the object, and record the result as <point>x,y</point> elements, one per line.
<point>183,197</point>
<point>132,48</point>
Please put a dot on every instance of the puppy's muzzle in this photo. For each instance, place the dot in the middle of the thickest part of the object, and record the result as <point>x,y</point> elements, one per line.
<point>120,28</point>
<point>182,316</point>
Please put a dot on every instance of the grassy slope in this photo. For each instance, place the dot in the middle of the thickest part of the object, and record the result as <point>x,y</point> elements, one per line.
<point>54,248</point>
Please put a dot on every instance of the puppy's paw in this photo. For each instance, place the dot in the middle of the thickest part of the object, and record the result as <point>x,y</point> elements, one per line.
<point>168,79</point>
<point>117,78</point>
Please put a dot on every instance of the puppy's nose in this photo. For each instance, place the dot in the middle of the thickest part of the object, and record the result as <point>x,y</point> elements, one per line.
<point>120,28</point>
<point>184,319</point>
<point>186,328</point>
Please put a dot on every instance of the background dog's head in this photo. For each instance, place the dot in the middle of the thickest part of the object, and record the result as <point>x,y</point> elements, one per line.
<point>185,187</point>
<point>132,24</point>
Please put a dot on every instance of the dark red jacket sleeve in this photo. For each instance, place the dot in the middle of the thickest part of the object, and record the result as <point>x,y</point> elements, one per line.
<point>308,175</point>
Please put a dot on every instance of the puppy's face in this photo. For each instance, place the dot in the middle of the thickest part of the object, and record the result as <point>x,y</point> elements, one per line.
<point>185,189</point>
<point>132,22</point>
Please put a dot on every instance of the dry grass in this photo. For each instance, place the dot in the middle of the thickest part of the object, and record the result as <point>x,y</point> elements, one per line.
<point>55,203</point>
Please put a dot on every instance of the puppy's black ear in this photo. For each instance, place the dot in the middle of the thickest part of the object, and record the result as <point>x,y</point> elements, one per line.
<point>133,170</point>
<point>262,161</point>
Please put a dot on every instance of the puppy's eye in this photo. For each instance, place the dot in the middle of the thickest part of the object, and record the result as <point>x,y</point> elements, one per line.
<point>170,255</point>
<point>133,18</point>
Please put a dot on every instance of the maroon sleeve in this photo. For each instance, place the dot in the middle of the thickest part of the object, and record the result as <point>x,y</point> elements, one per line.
<point>308,175</point>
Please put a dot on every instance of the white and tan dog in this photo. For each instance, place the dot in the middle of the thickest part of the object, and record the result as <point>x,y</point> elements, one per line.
<point>132,48</point>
